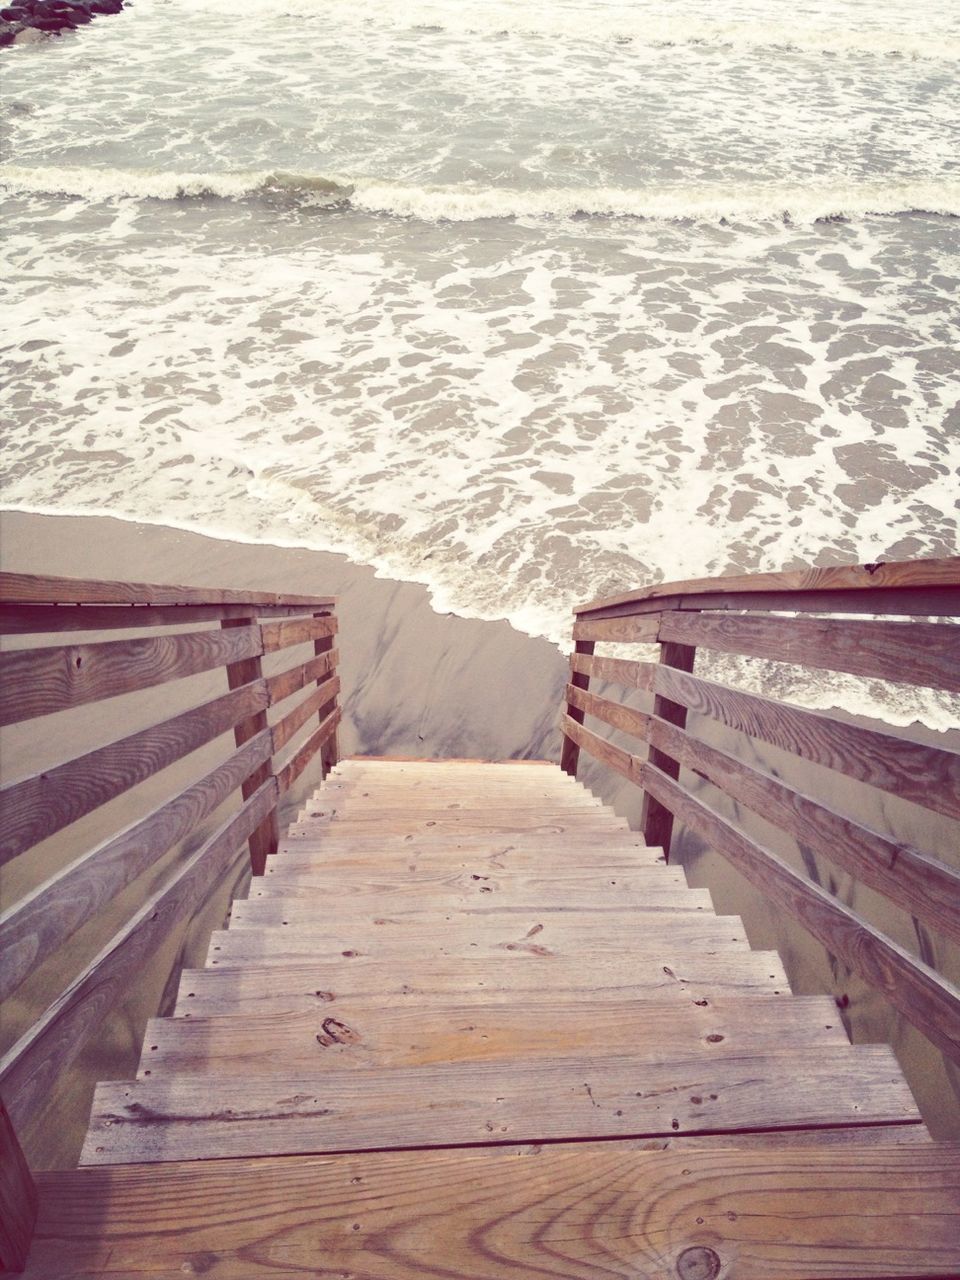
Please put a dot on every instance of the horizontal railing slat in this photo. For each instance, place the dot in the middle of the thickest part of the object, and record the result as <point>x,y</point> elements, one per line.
<point>35,927</point>
<point>927,775</point>
<point>280,635</point>
<point>918,602</point>
<point>906,575</point>
<point>915,881</point>
<point>39,682</point>
<point>50,618</point>
<point>29,1070</point>
<point>29,588</point>
<point>639,630</point>
<point>922,653</point>
<point>921,994</point>
<point>36,807</point>
<point>622,762</point>
<point>621,671</point>
<point>626,719</point>
<point>288,774</point>
<point>295,678</point>
<point>314,704</point>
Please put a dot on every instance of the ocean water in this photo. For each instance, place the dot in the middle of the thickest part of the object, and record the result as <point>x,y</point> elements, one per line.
<point>528,301</point>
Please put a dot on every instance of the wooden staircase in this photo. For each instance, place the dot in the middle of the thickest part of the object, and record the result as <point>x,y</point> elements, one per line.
<point>450,955</point>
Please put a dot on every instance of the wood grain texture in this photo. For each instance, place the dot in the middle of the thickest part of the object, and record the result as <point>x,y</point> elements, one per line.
<point>295,678</point>
<point>629,630</point>
<point>922,653</point>
<point>542,937</point>
<point>29,1069</point>
<point>18,1199</point>
<point>915,881</point>
<point>36,807</point>
<point>630,675</point>
<point>38,682</point>
<point>917,602</point>
<point>20,619</point>
<point>35,927</point>
<point>370,1032</point>
<point>904,574</point>
<point>289,772</point>
<point>569,751</point>
<point>264,838</point>
<point>319,701</point>
<point>29,588</point>
<point>674,975</point>
<point>926,775</point>
<point>656,821</point>
<point>921,994</point>
<point>777,1213</point>
<point>281,635</point>
<point>471,1103</point>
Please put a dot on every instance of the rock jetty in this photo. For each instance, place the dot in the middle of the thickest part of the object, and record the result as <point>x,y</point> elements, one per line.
<point>52,16</point>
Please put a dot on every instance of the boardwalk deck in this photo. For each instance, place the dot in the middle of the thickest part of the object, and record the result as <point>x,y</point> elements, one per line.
<point>492,1035</point>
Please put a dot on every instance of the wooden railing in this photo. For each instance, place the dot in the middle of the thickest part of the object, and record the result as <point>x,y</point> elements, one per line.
<point>748,616</point>
<point>264,762</point>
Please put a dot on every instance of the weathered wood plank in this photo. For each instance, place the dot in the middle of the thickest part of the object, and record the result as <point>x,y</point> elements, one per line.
<point>18,1199</point>
<point>673,975</point>
<point>917,602</point>
<point>927,775</point>
<point>264,839</point>
<point>656,821</point>
<point>921,994</point>
<point>554,886</point>
<point>469,1103</point>
<point>915,881</point>
<point>783,1215</point>
<point>33,808</point>
<point>281,635</point>
<point>44,619</point>
<point>295,678</point>
<point>320,700</point>
<point>30,588</point>
<point>569,751</point>
<point>288,774</point>
<point>30,1067</point>
<point>639,630</point>
<point>370,1032</point>
<point>923,653</point>
<point>541,937</point>
<point>45,919</point>
<point>905,574</point>
<point>630,675</point>
<point>626,719</point>
<point>38,682</point>
<point>779,1213</point>
<point>622,762</point>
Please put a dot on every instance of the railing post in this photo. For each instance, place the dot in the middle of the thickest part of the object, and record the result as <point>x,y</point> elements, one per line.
<point>18,1199</point>
<point>570,751</point>
<point>656,821</point>
<point>266,839</point>
<point>330,751</point>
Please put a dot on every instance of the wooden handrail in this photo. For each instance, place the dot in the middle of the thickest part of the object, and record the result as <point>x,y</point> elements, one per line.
<point>727,614</point>
<point>264,762</point>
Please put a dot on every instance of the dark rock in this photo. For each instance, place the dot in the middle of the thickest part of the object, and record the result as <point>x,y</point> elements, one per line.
<point>106,6</point>
<point>8,30</point>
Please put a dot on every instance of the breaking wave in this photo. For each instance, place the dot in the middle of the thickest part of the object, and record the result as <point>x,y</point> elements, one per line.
<point>763,202</point>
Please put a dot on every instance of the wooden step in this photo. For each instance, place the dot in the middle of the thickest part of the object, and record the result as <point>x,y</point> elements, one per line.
<point>695,1210</point>
<point>541,938</point>
<point>671,975</point>
<point>372,1031</point>
<point>647,1093</point>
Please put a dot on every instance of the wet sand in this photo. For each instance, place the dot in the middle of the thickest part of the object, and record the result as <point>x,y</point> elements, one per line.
<point>415,683</point>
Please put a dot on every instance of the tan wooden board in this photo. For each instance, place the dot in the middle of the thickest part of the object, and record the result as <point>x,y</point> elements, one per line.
<point>778,1213</point>
<point>376,1032</point>
<point>295,910</point>
<point>542,937</point>
<point>189,1117</point>
<point>663,974</point>
<point>559,886</point>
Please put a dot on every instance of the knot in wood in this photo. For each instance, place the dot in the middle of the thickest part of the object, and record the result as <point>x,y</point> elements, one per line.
<point>698,1263</point>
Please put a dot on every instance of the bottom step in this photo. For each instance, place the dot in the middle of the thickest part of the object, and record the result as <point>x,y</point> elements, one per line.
<point>690,1213</point>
